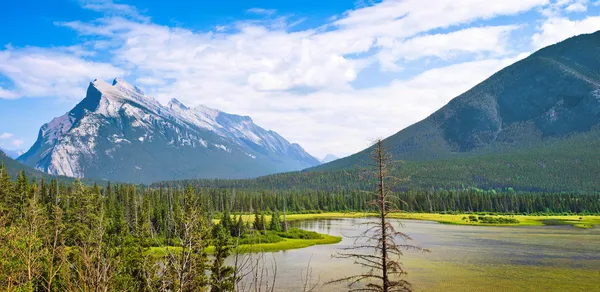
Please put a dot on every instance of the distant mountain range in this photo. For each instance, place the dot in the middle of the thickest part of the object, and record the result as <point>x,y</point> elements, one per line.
<point>329,158</point>
<point>12,153</point>
<point>552,95</point>
<point>119,133</point>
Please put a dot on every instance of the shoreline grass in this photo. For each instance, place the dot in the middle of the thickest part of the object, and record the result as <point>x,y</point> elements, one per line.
<point>285,244</point>
<point>579,221</point>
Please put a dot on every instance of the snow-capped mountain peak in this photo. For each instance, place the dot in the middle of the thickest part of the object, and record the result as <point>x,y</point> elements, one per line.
<point>174,103</point>
<point>118,132</point>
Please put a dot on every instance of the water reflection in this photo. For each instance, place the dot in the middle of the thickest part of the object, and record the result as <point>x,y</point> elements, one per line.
<point>457,251</point>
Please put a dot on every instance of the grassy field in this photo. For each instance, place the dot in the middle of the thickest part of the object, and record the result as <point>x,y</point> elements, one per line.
<point>463,219</point>
<point>285,244</point>
<point>460,219</point>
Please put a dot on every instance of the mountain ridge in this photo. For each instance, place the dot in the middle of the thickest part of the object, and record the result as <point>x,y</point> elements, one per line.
<point>118,132</point>
<point>553,93</point>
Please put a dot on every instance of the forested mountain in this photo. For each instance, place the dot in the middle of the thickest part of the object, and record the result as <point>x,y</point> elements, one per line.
<point>556,166</point>
<point>15,167</point>
<point>552,94</point>
<point>119,133</point>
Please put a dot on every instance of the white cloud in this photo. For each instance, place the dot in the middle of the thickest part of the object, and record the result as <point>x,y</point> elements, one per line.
<point>5,136</point>
<point>559,7</point>
<point>556,29</point>
<point>38,72</point>
<point>476,40</point>
<point>576,7</point>
<point>409,17</point>
<point>8,94</point>
<point>111,8</point>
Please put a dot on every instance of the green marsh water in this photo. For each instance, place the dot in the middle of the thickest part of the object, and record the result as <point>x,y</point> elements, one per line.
<point>462,258</point>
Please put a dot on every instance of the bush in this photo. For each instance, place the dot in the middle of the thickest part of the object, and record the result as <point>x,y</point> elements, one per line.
<point>295,233</point>
<point>256,237</point>
<point>498,220</point>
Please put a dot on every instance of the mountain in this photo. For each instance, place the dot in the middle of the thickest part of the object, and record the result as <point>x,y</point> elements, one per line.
<point>329,158</point>
<point>14,167</point>
<point>554,94</point>
<point>12,153</point>
<point>117,132</point>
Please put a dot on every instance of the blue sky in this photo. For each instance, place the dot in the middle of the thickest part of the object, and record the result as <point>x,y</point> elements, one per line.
<point>330,75</point>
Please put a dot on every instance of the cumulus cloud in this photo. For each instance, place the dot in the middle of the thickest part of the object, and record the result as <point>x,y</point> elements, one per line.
<point>556,29</point>
<point>37,72</point>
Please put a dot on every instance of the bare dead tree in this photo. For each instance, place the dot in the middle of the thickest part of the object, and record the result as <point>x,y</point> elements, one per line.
<point>377,248</point>
<point>251,270</point>
<point>306,278</point>
<point>263,277</point>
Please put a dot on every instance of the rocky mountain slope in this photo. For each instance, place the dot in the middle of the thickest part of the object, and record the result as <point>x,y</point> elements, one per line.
<point>117,132</point>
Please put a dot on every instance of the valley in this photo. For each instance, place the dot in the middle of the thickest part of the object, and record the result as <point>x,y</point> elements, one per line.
<point>173,175</point>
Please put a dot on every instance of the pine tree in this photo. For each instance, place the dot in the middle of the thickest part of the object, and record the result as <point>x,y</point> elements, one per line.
<point>275,224</point>
<point>221,277</point>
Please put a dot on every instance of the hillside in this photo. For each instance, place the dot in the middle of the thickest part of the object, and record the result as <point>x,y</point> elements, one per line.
<point>570,165</point>
<point>14,167</point>
<point>117,132</point>
<point>552,94</point>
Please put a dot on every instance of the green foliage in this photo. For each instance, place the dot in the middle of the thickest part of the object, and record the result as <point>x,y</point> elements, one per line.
<point>70,230</point>
<point>295,233</point>
<point>497,220</point>
<point>559,165</point>
<point>221,277</point>
<point>275,224</point>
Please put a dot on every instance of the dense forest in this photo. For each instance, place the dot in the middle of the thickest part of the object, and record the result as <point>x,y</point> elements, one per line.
<point>558,165</point>
<point>59,236</point>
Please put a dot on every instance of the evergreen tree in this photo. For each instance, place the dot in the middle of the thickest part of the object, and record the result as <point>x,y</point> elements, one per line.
<point>221,278</point>
<point>275,224</point>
